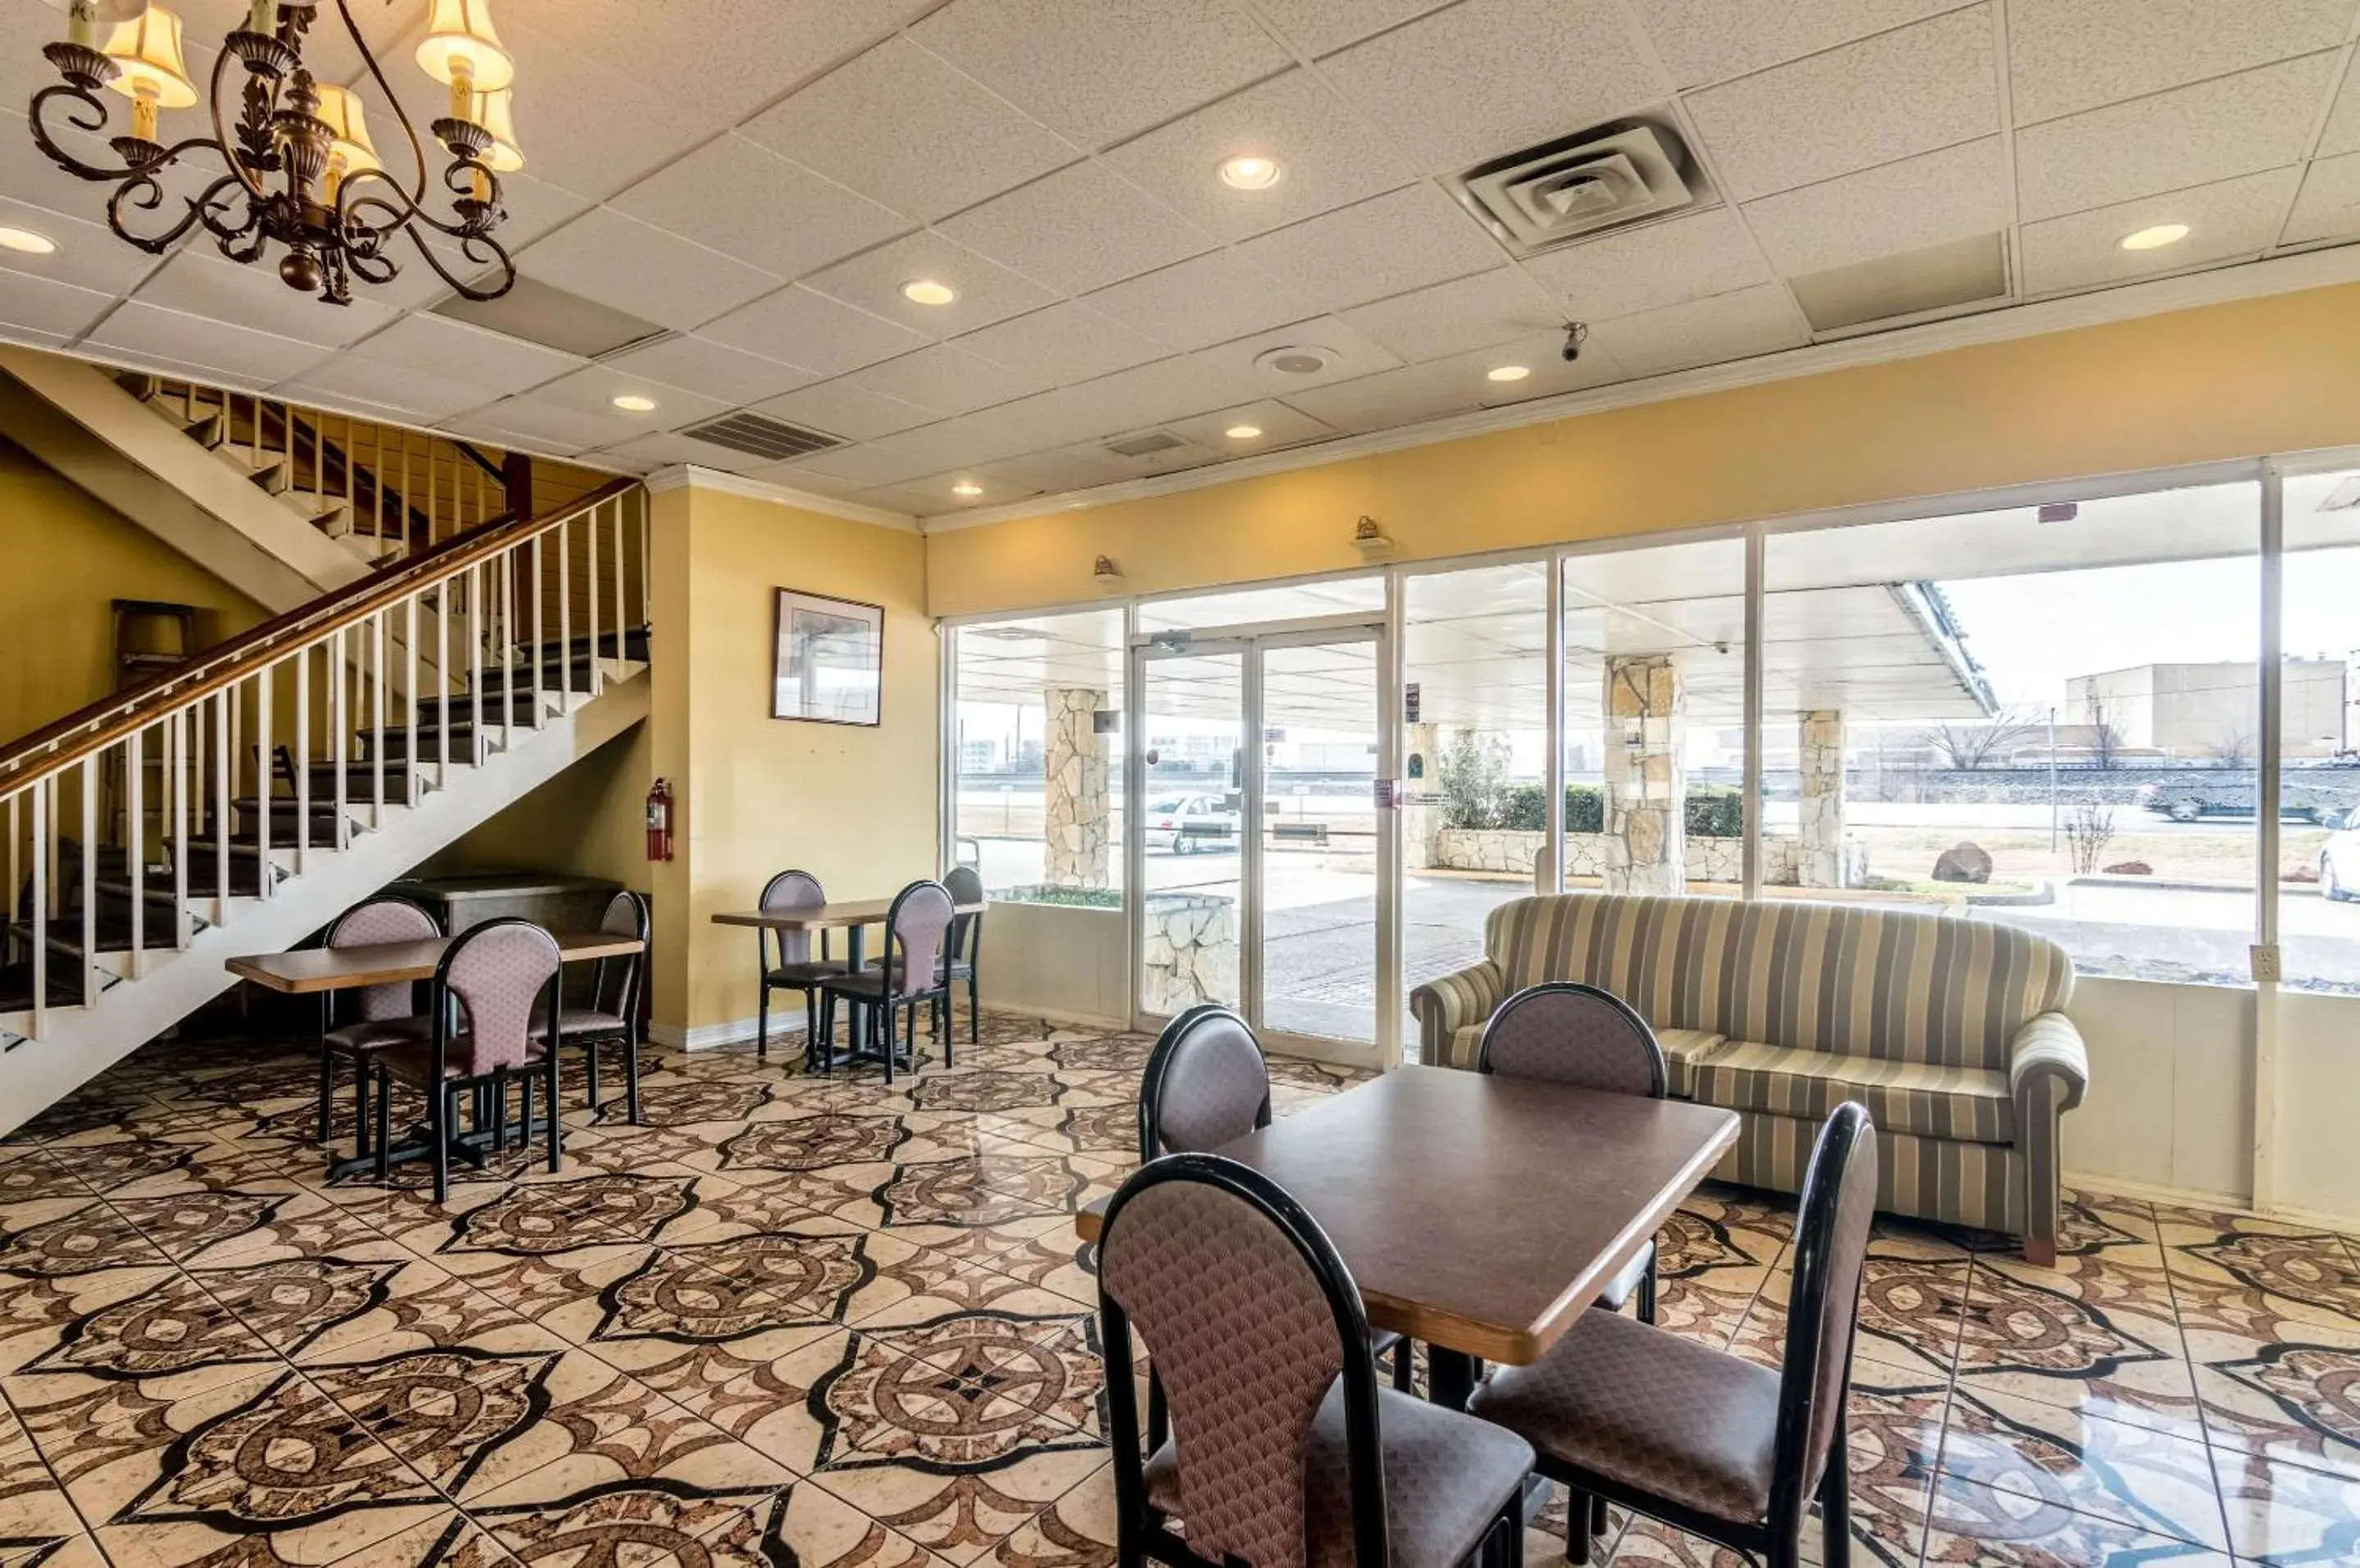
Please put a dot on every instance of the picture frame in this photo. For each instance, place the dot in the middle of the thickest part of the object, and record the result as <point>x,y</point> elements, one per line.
<point>828,659</point>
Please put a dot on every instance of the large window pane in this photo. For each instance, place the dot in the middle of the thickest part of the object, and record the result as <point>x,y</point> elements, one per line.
<point>1039,772</point>
<point>1654,718</point>
<point>2044,715</point>
<point>2318,856</point>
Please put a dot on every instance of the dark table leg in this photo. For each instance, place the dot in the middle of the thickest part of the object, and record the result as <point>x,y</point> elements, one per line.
<point>1450,1376</point>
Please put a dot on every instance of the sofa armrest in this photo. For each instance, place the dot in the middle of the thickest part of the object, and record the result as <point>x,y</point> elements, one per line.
<point>2047,1071</point>
<point>1444,1005</point>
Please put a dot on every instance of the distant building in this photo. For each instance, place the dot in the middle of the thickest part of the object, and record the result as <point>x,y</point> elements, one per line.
<point>978,756</point>
<point>2207,710</point>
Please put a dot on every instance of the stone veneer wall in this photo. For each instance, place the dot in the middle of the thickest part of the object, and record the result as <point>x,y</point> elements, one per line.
<point>1819,737</point>
<point>1512,852</point>
<point>1075,803</point>
<point>1646,785</point>
<point>1192,951</point>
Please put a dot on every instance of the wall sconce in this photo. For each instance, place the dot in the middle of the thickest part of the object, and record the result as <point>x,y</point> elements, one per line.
<point>1105,574</point>
<point>1370,539</point>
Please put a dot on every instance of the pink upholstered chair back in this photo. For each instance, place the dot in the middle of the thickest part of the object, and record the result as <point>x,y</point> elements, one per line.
<point>1830,1257</point>
<point>382,920</point>
<point>1206,1084</point>
<point>792,891</point>
<point>1574,1034</point>
<point>615,986</point>
<point>497,974</point>
<point>919,925</point>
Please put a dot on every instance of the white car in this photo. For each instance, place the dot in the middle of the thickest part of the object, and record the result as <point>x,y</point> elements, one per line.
<point>1185,824</point>
<point>2339,858</point>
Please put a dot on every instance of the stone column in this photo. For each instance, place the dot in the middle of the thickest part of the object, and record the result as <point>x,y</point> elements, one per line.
<point>1646,789</point>
<point>1073,800</point>
<point>1423,742</point>
<point>1819,762</point>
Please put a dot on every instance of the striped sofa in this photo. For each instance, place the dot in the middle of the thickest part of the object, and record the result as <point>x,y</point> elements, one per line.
<point>1952,1033</point>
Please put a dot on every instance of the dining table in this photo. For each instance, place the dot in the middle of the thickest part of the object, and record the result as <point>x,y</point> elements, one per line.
<point>1483,1214</point>
<point>319,971</point>
<point>851,916</point>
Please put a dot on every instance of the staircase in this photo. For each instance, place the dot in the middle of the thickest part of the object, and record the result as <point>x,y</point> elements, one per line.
<point>262,787</point>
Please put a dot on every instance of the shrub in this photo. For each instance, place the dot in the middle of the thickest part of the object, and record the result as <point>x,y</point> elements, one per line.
<point>1713,810</point>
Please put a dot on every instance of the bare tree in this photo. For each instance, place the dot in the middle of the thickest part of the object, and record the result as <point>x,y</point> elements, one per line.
<point>2105,737</point>
<point>1967,748</point>
<point>2089,828</point>
<point>2234,750</point>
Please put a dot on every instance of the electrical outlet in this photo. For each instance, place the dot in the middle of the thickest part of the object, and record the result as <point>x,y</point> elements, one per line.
<point>2265,962</point>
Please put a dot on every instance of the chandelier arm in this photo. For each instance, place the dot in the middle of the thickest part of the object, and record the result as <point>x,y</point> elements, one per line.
<point>221,138</point>
<point>417,151</point>
<point>141,190</point>
<point>363,238</point>
<point>93,121</point>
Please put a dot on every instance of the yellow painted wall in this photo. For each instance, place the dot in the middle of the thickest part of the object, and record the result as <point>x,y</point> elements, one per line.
<point>66,557</point>
<point>2273,375</point>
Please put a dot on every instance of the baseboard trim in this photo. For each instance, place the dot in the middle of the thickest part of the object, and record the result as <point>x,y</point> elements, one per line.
<point>704,1037</point>
<point>2226,1203</point>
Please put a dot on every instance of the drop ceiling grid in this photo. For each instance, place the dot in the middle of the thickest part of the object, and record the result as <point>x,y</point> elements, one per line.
<point>1747,310</point>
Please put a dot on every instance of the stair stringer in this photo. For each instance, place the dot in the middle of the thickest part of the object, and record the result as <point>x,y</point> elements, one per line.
<point>80,1042</point>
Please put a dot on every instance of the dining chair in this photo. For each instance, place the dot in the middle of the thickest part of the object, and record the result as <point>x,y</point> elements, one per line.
<point>1707,1442</point>
<point>1286,1451</point>
<point>493,1018</point>
<point>966,885</point>
<point>1206,1085</point>
<point>911,974</point>
<point>1579,1035</point>
<point>611,1016</point>
<point>387,1015</point>
<point>793,969</point>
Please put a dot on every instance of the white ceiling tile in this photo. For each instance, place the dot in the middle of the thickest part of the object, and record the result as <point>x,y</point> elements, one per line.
<point>901,127</point>
<point>1028,424</point>
<point>28,176</point>
<point>745,200</point>
<point>1203,300</point>
<point>1097,72</point>
<point>837,408</point>
<point>593,389</point>
<point>946,380</point>
<point>935,494</point>
<point>1705,42</point>
<point>794,478</point>
<point>417,393</point>
<point>1321,27</point>
<point>2343,133</point>
<point>2232,218</point>
<point>1895,207</point>
<point>459,351</point>
<point>646,271</point>
<point>2329,203</point>
<point>1452,318</point>
<point>1349,356</point>
<point>1329,156</point>
<point>2191,135</point>
<point>1707,332</point>
<point>546,425</point>
<point>252,295</point>
<point>988,292</point>
<point>1383,401</point>
<point>46,306</point>
<point>1150,394</point>
<point>1068,341</point>
<point>1487,77</point>
<point>143,329</point>
<point>1388,245</point>
<point>2069,55</point>
<point>711,368</point>
<point>1906,92</point>
<point>88,256</point>
<point>910,499</point>
<point>1070,468</point>
<point>1543,354</point>
<point>664,449</point>
<point>533,207</point>
<point>861,466</point>
<point>798,327</point>
<point>1280,425</point>
<point>1079,229</point>
<point>1651,266</point>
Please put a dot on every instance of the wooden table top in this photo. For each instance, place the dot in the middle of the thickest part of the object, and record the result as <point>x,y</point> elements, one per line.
<point>386,963</point>
<point>1483,1213</point>
<point>833,916</point>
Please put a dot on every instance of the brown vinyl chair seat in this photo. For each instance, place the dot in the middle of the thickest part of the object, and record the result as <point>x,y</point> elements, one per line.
<point>576,1021</point>
<point>1446,1477</point>
<point>413,1062</point>
<point>809,972</point>
<point>1655,1412</point>
<point>365,1035</point>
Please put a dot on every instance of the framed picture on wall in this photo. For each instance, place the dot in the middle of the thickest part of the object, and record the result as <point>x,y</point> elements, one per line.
<point>829,662</point>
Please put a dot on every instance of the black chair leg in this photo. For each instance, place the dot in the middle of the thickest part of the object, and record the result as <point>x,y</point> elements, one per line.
<point>524,1128</point>
<point>880,1015</point>
<point>1598,1520</point>
<point>590,1056</point>
<point>762,1026</point>
<point>1835,1501</point>
<point>445,1102</point>
<point>631,1070</point>
<point>1647,1290</point>
<point>501,1113</point>
<point>556,1146</point>
<point>1577,1526</point>
<point>974,1014</point>
<point>360,1107</point>
<point>1404,1367</point>
<point>327,1094</point>
<point>384,1116</point>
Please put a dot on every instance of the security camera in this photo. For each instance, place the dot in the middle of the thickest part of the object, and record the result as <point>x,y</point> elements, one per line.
<point>1576,334</point>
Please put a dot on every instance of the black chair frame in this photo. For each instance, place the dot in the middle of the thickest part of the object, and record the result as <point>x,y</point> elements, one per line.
<point>763,938</point>
<point>1141,1531</point>
<point>872,1017</point>
<point>634,967</point>
<point>328,1054</point>
<point>1778,1542</point>
<point>442,1093</point>
<point>964,947</point>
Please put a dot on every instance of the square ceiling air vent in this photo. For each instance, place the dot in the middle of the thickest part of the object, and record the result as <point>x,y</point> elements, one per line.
<point>1145,445</point>
<point>1576,185</point>
<point>542,313</point>
<point>758,437</point>
<point>1947,276</point>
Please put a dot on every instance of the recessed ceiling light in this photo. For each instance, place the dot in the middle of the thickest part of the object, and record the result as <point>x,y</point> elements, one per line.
<point>968,488</point>
<point>1250,172</point>
<point>1508,371</point>
<point>927,291</point>
<point>28,241</point>
<point>2155,236</point>
<point>1242,432</point>
<point>635,402</point>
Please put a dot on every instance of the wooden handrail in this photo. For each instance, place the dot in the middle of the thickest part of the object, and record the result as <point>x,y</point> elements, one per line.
<point>121,712</point>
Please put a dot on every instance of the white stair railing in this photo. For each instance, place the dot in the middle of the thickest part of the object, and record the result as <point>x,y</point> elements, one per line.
<point>318,693</point>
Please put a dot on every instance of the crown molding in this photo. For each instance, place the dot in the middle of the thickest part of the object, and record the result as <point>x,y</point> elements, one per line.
<point>2222,285</point>
<point>690,476</point>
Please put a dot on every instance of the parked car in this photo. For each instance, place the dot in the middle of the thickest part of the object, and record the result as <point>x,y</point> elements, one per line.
<point>1185,824</point>
<point>2300,800</point>
<point>2339,859</point>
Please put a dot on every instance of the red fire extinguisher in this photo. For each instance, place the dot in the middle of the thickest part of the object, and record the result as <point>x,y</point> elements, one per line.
<point>660,821</point>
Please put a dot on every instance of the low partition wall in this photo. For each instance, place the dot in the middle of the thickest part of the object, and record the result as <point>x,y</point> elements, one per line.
<point>1059,952</point>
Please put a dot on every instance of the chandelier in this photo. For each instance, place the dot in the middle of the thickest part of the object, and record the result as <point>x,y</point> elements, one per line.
<point>302,172</point>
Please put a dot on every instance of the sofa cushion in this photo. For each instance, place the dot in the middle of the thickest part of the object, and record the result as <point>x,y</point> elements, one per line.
<point>1964,1104</point>
<point>1683,1048</point>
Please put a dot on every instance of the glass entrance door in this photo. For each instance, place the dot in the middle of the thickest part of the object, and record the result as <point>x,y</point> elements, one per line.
<point>1261,854</point>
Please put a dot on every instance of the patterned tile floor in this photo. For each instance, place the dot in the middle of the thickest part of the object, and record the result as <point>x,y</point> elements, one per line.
<point>809,1321</point>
